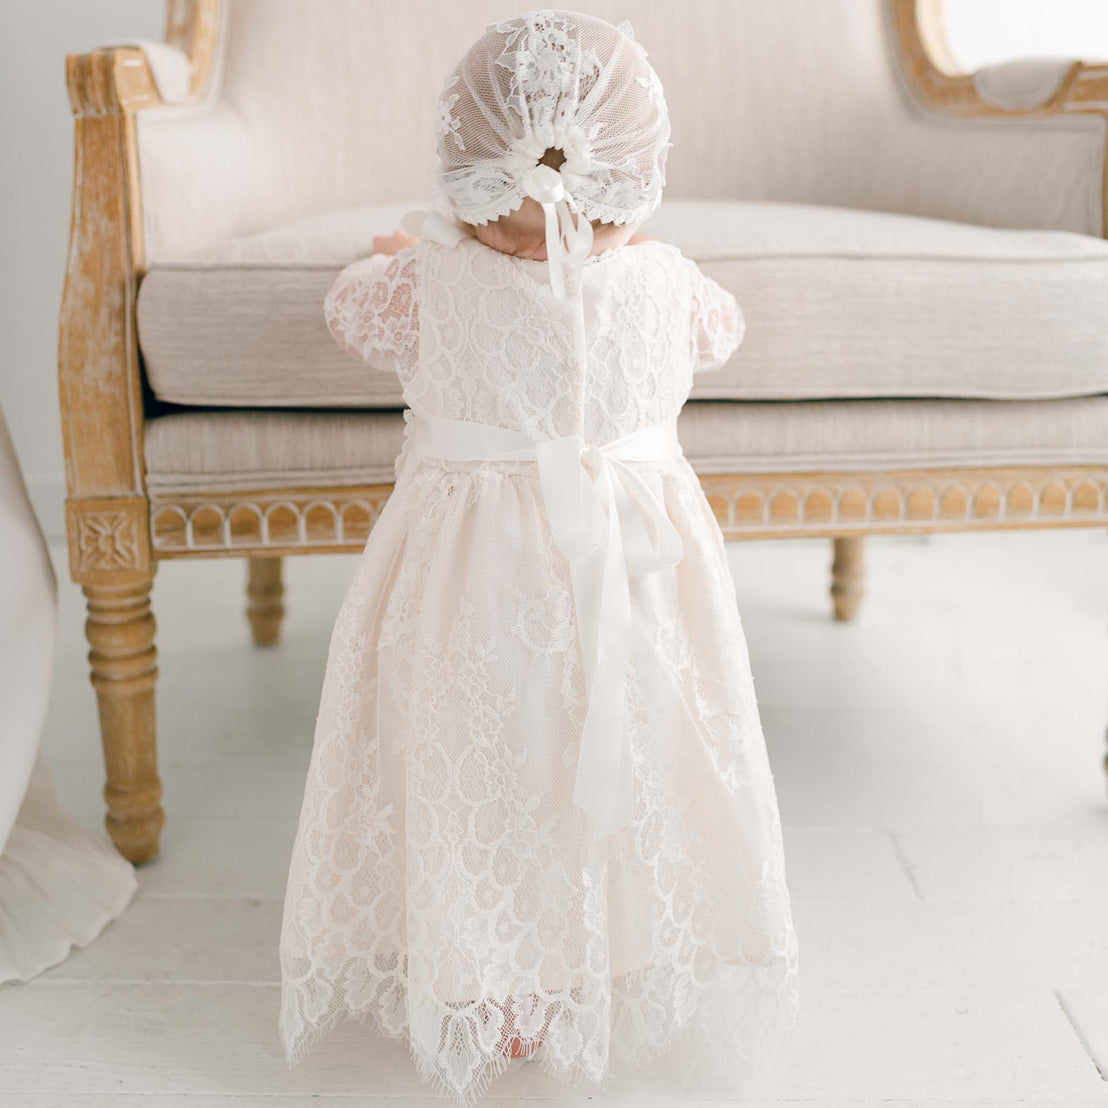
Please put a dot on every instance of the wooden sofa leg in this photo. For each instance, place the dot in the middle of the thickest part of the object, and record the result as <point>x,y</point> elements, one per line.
<point>265,592</point>
<point>120,632</point>
<point>847,576</point>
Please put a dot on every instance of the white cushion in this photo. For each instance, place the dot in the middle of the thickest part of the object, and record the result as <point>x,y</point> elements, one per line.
<point>240,450</point>
<point>1022,83</point>
<point>839,304</point>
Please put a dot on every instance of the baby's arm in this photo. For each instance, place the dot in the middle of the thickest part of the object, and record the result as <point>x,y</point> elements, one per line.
<point>394,243</point>
<point>372,310</point>
<point>717,323</point>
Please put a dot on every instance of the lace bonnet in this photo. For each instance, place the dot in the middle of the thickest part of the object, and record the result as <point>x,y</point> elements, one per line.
<point>553,80</point>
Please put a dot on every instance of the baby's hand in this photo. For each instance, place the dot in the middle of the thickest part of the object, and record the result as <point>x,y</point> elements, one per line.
<point>392,244</point>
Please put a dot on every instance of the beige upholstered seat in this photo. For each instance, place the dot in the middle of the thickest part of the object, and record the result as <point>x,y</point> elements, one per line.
<point>246,450</point>
<point>920,254</point>
<point>840,303</point>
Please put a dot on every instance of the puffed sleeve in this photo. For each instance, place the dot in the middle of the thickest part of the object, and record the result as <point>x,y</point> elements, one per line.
<point>717,323</point>
<point>372,310</point>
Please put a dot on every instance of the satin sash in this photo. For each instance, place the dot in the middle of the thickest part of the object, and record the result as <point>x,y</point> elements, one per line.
<point>610,524</point>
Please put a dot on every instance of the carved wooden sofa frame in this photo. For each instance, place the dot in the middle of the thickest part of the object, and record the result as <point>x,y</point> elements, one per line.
<point>118,531</point>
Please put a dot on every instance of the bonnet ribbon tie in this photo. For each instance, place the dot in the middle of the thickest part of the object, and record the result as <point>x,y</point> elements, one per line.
<point>568,237</point>
<point>610,523</point>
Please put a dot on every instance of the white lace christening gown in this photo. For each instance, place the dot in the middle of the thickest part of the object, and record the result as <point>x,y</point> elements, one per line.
<point>443,882</point>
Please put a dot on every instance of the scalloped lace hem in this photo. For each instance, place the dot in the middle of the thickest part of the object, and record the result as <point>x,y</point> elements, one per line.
<point>744,1021</point>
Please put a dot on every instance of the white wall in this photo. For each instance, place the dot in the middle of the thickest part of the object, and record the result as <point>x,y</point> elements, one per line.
<point>984,31</point>
<point>36,155</point>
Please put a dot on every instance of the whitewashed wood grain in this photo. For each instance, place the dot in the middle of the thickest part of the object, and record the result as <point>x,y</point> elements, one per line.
<point>924,947</point>
<point>1014,863</point>
<point>854,864</point>
<point>203,858</point>
<point>956,728</point>
<point>903,946</point>
<point>613,1100</point>
<point>232,788</point>
<point>175,940</point>
<point>222,1038</point>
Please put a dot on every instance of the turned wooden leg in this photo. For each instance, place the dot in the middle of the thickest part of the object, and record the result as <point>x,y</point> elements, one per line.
<point>265,592</point>
<point>847,576</point>
<point>120,632</point>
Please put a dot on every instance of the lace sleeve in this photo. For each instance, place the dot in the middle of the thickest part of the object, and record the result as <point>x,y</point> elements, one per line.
<point>372,310</point>
<point>717,323</point>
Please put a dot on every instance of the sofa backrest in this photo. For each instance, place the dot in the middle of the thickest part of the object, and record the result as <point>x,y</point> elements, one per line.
<point>320,105</point>
<point>763,94</point>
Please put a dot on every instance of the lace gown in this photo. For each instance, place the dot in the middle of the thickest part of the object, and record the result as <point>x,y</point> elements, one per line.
<point>442,881</point>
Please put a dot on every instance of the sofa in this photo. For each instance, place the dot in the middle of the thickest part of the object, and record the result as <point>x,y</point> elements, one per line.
<point>920,253</point>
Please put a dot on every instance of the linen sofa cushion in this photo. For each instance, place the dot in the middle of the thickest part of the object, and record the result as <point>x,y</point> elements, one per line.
<point>839,304</point>
<point>227,451</point>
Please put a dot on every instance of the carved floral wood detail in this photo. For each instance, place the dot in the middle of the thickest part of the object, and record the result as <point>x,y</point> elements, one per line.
<point>107,542</point>
<point>107,534</point>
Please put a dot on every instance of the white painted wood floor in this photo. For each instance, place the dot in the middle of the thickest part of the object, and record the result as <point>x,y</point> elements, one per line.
<point>938,769</point>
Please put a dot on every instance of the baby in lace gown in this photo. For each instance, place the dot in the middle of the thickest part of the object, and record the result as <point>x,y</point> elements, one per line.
<point>539,813</point>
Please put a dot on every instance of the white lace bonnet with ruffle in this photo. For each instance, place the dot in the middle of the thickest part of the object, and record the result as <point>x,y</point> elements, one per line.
<point>553,80</point>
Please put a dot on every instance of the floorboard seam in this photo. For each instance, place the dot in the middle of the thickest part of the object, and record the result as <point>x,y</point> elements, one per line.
<point>1086,1046</point>
<point>902,858</point>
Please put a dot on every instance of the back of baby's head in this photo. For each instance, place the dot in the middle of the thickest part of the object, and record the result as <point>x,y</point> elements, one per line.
<point>562,90</point>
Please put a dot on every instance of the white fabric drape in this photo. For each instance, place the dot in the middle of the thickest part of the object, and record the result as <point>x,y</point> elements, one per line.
<point>59,883</point>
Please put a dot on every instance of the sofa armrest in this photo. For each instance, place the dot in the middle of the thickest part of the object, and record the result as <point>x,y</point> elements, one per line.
<point>1024,85</point>
<point>1045,121</point>
<point>100,386</point>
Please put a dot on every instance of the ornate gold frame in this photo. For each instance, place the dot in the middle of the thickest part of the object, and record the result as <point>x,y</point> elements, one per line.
<point>118,532</point>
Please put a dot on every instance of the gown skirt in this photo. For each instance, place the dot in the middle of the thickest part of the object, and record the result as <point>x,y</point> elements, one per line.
<point>443,883</point>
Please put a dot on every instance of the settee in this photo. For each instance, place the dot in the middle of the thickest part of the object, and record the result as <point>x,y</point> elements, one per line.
<point>920,254</point>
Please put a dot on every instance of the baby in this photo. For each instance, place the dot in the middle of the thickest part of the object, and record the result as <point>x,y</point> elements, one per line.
<point>539,817</point>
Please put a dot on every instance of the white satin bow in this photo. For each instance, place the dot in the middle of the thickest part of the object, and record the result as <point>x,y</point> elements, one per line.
<point>610,524</point>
